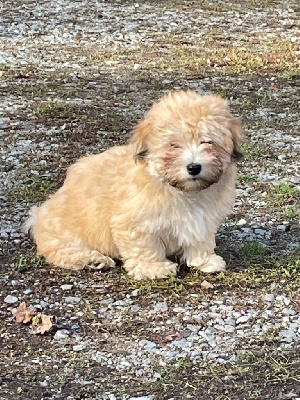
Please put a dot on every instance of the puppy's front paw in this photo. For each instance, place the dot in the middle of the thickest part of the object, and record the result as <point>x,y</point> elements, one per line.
<point>215,263</point>
<point>149,270</point>
<point>198,262</point>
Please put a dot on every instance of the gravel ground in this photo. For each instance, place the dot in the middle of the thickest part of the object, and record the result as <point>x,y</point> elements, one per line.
<point>75,77</point>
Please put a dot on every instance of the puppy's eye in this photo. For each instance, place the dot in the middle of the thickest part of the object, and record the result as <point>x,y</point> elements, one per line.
<point>175,146</point>
<point>207,142</point>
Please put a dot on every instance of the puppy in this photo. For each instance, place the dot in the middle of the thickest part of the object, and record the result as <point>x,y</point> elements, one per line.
<point>165,193</point>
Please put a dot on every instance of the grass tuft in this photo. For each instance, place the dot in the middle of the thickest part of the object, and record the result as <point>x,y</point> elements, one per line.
<point>35,190</point>
<point>284,194</point>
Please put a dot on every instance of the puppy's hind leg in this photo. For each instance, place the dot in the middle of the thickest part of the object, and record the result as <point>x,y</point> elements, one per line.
<point>59,246</point>
<point>72,255</point>
<point>78,259</point>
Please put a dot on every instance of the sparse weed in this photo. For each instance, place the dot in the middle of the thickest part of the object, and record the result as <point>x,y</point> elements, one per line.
<point>272,334</point>
<point>181,363</point>
<point>31,91</point>
<point>253,265</point>
<point>29,260</point>
<point>244,356</point>
<point>266,98</point>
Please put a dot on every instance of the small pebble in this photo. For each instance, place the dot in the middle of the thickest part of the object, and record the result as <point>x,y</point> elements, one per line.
<point>10,299</point>
<point>281,228</point>
<point>66,287</point>
<point>147,344</point>
<point>61,334</point>
<point>160,307</point>
<point>71,299</point>
<point>229,328</point>
<point>136,293</point>
<point>135,308</point>
<point>243,319</point>
<point>269,297</point>
<point>79,347</point>
<point>107,301</point>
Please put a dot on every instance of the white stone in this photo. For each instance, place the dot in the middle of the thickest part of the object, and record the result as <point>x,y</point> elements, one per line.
<point>66,287</point>
<point>243,319</point>
<point>281,228</point>
<point>61,334</point>
<point>229,328</point>
<point>269,297</point>
<point>147,344</point>
<point>79,347</point>
<point>72,299</point>
<point>10,299</point>
<point>160,307</point>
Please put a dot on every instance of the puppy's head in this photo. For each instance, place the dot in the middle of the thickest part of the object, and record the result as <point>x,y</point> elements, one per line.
<point>188,140</point>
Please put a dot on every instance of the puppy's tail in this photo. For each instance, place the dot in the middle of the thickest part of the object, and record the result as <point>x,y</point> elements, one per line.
<point>30,222</point>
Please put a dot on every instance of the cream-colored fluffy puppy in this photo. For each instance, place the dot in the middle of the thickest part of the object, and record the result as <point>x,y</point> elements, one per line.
<point>163,194</point>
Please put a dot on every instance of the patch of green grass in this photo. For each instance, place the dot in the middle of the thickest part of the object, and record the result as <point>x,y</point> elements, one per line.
<point>259,268</point>
<point>252,251</point>
<point>291,73</point>
<point>173,284</point>
<point>53,109</point>
<point>246,178</point>
<point>284,194</point>
<point>258,100</point>
<point>252,151</point>
<point>35,190</point>
<point>291,211</point>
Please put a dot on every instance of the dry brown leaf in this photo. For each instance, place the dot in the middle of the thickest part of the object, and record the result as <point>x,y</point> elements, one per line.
<point>23,314</point>
<point>173,336</point>
<point>44,326</point>
<point>206,285</point>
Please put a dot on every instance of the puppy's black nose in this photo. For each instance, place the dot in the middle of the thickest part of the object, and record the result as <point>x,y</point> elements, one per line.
<point>194,169</point>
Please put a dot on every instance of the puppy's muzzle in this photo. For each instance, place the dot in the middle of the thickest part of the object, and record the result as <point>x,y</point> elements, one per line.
<point>194,169</point>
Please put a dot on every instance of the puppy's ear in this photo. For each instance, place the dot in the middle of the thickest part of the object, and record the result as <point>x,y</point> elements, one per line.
<point>140,138</point>
<point>236,132</point>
